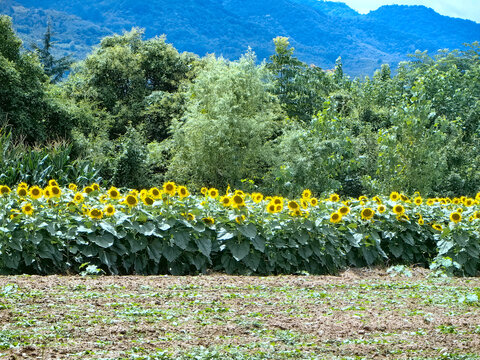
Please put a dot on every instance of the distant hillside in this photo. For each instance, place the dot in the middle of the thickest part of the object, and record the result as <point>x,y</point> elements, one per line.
<point>320,31</point>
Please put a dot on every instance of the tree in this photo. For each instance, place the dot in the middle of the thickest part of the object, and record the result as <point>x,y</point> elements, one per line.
<point>54,68</point>
<point>229,122</point>
<point>301,89</point>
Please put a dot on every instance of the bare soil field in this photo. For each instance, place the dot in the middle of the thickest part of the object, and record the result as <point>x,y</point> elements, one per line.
<point>362,313</point>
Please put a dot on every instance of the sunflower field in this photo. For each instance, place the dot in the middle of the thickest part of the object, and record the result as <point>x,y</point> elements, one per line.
<point>168,230</point>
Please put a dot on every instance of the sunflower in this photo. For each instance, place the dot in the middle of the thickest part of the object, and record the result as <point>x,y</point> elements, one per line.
<point>398,209</point>
<point>55,191</point>
<point>394,196</point>
<point>306,194</point>
<point>437,227</point>
<point>421,222</point>
<point>113,193</point>
<point>313,201</point>
<point>5,190</point>
<point>131,200</point>
<point>335,218</point>
<point>456,201</point>
<point>204,191</point>
<point>87,190</point>
<point>35,192</point>
<point>95,187</point>
<point>278,207</point>
<point>304,203</point>
<point>47,194</point>
<point>271,208</point>
<point>225,200</point>
<point>293,205</point>
<point>377,200</point>
<point>257,197</point>
<point>476,215</point>
<point>103,198</point>
<point>362,198</point>
<point>418,200</point>
<point>296,213</point>
<point>334,197</point>
<point>22,192</point>
<point>182,192</point>
<point>469,202</point>
<point>143,193</point>
<point>170,188</point>
<point>213,193</point>
<point>72,187</point>
<point>367,213</point>
<point>155,193</point>
<point>277,200</point>
<point>78,198</point>
<point>455,217</point>
<point>109,210</point>
<point>237,201</point>
<point>430,202</point>
<point>95,213</point>
<point>14,213</point>
<point>148,200</point>
<point>23,185</point>
<point>52,182</point>
<point>189,216</point>
<point>71,205</point>
<point>239,192</point>
<point>240,219</point>
<point>208,220</point>
<point>27,209</point>
<point>344,210</point>
<point>404,197</point>
<point>381,209</point>
<point>403,217</point>
<point>133,192</point>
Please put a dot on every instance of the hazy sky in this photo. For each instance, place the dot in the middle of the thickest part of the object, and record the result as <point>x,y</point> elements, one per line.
<point>465,9</point>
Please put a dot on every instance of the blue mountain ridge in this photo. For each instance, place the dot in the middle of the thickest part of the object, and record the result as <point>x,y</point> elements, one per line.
<point>320,31</point>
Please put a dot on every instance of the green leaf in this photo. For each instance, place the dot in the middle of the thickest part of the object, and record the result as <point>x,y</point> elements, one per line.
<point>408,239</point>
<point>444,247</point>
<point>15,243</point>
<point>369,255</point>
<point>252,261</point>
<point>146,229</point>
<point>224,234</point>
<point>302,237</point>
<point>164,226</point>
<point>249,230</point>
<point>108,228</point>
<point>204,245</point>
<point>239,249</point>
<point>104,240</point>
<point>181,239</point>
<point>259,243</point>
<point>137,244</point>
<point>154,250</point>
<point>36,238</point>
<point>396,249</point>
<point>171,253</point>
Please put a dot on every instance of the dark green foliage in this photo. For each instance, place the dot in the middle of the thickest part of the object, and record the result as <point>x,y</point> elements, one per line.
<point>19,162</point>
<point>130,169</point>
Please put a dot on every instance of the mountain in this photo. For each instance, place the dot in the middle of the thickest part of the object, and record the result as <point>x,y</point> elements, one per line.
<point>320,31</point>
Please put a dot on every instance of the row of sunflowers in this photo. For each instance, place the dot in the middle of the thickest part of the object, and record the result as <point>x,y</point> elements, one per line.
<point>169,230</point>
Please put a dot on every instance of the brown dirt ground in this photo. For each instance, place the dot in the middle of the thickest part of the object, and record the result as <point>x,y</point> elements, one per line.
<point>361,312</point>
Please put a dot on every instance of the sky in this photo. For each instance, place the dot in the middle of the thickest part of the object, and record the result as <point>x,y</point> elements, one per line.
<point>465,9</point>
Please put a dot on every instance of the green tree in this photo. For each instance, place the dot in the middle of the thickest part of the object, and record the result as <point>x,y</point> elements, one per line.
<point>54,68</point>
<point>230,120</point>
